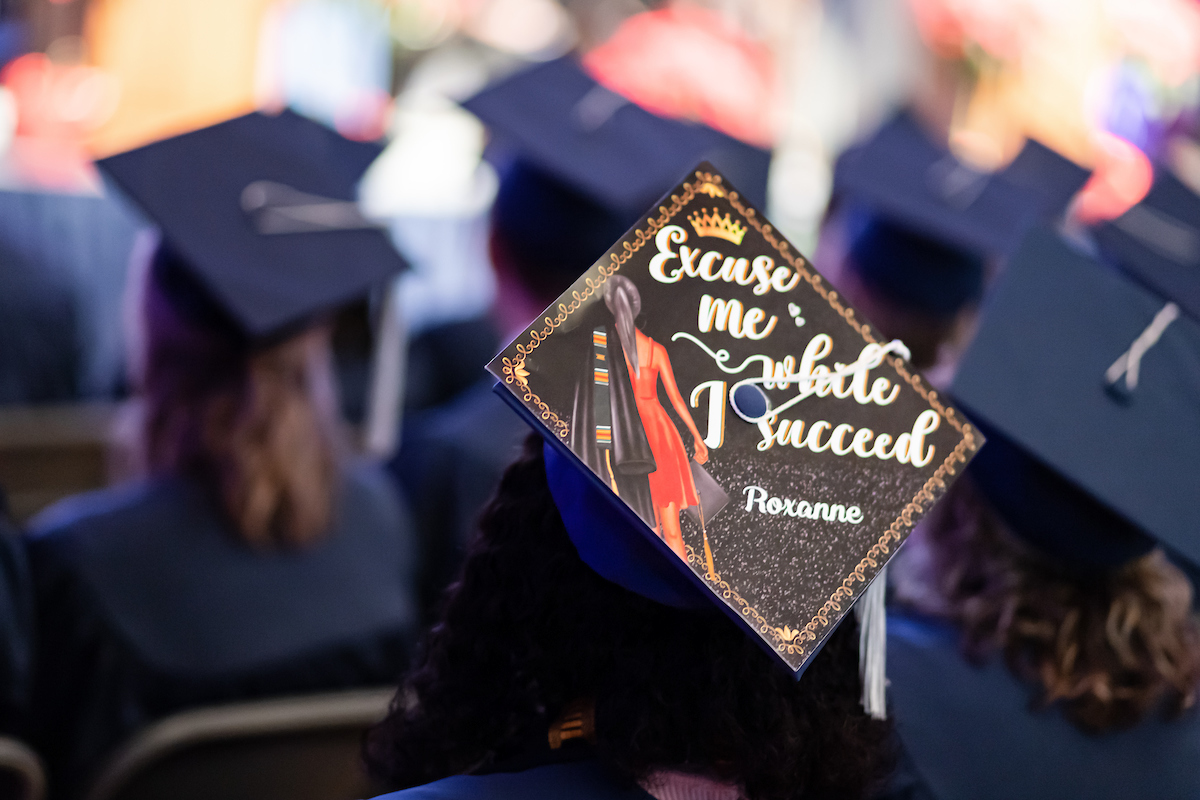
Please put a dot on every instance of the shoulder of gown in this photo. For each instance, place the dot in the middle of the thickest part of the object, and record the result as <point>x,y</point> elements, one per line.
<point>450,462</point>
<point>580,780</point>
<point>147,604</point>
<point>149,555</point>
<point>971,731</point>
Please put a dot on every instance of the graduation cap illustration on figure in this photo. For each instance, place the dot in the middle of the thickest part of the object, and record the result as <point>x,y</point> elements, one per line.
<point>261,209</point>
<point>701,364</point>
<point>1091,476</point>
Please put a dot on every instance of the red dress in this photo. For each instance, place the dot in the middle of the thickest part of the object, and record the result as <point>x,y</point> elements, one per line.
<point>671,481</point>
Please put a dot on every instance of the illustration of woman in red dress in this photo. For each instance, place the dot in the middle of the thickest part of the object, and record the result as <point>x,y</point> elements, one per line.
<point>672,488</point>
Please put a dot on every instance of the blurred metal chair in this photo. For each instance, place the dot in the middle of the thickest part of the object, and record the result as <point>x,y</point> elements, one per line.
<point>295,748</point>
<point>21,773</point>
<point>51,451</point>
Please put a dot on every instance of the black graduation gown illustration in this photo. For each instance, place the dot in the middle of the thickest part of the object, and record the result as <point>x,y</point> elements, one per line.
<point>626,456</point>
<point>148,604</point>
<point>969,732</point>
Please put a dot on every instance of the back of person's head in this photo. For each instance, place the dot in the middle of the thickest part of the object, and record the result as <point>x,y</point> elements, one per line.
<point>1110,646</point>
<point>254,423</point>
<point>545,234</point>
<point>528,629</point>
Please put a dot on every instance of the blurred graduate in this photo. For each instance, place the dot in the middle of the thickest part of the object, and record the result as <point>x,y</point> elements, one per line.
<point>638,617</point>
<point>542,679</point>
<point>254,557</point>
<point>580,158</point>
<point>1044,645</point>
<point>913,234</point>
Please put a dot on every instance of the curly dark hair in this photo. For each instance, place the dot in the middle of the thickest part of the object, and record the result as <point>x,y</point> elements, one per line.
<point>1110,648</point>
<point>528,628</point>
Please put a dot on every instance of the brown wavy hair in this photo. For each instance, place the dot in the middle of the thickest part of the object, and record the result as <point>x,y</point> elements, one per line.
<point>1108,648</point>
<point>256,425</point>
<point>528,628</point>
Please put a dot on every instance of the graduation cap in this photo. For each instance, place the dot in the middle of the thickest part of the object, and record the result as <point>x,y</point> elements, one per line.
<point>261,210</point>
<point>1089,475</point>
<point>562,121</point>
<point>1050,177</point>
<point>920,223</point>
<point>900,173</point>
<point>1157,242</point>
<point>722,429</point>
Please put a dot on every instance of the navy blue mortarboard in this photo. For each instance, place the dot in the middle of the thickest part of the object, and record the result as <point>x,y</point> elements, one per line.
<point>551,231</point>
<point>261,210</point>
<point>1049,176</point>
<point>915,270</point>
<point>901,174</point>
<point>1036,378</point>
<point>1158,242</point>
<point>565,123</point>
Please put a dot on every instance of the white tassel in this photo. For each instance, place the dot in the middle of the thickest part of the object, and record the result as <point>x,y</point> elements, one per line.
<point>871,610</point>
<point>1128,366</point>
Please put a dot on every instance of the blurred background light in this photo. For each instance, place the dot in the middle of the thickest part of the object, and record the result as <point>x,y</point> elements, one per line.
<point>330,60</point>
<point>692,63</point>
<point>537,29</point>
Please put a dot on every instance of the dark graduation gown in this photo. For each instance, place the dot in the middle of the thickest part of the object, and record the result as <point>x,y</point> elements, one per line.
<point>968,733</point>
<point>449,465</point>
<point>148,604</point>
<point>16,621</point>
<point>578,780</point>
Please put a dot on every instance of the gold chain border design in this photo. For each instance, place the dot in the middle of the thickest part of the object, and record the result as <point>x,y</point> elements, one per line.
<point>784,640</point>
<point>513,368</point>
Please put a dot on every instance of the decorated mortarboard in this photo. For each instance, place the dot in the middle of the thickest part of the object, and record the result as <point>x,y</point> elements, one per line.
<point>901,174</point>
<point>559,118</point>
<point>262,210</point>
<point>1157,242</point>
<point>1050,177</point>
<point>723,429</point>
<point>1059,331</point>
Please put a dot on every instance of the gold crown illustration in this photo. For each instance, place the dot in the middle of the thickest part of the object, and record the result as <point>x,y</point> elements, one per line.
<point>710,223</point>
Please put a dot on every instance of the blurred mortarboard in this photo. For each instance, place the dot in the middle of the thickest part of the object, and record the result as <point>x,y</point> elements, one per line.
<point>903,175</point>
<point>1157,242</point>
<point>262,210</point>
<point>1038,379</point>
<point>918,271</point>
<point>560,119</point>
<point>1050,177</point>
